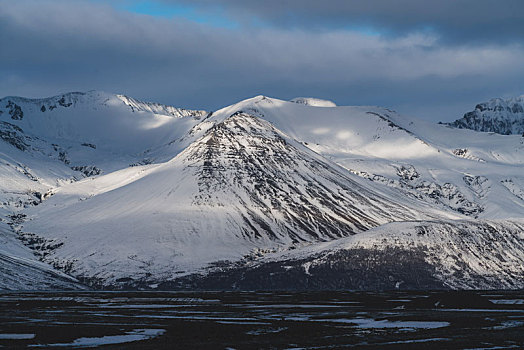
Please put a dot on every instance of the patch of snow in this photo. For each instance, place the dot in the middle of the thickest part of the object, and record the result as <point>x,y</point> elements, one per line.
<point>16,336</point>
<point>378,324</point>
<point>313,102</point>
<point>131,336</point>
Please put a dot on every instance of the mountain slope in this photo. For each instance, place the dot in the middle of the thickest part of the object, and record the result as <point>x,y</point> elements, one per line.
<point>242,187</point>
<point>58,140</point>
<point>49,143</point>
<point>401,255</point>
<point>454,170</point>
<point>104,122</point>
<point>21,270</point>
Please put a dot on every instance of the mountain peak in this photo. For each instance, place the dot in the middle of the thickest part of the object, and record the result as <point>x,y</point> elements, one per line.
<point>502,116</point>
<point>110,121</point>
<point>94,99</point>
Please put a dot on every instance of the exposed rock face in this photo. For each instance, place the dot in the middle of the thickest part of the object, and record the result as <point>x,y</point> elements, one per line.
<point>497,115</point>
<point>87,170</point>
<point>246,157</point>
<point>15,111</point>
<point>13,135</point>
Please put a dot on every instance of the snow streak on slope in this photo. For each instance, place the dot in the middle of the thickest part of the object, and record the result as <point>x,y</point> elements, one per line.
<point>497,115</point>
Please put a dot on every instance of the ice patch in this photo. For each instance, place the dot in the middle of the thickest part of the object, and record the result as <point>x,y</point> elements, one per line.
<point>416,341</point>
<point>290,306</point>
<point>507,301</point>
<point>134,335</point>
<point>16,336</point>
<point>508,324</point>
<point>266,331</point>
<point>372,323</point>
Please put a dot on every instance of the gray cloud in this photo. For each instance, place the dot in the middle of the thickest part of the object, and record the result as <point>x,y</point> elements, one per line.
<point>455,20</point>
<point>51,47</point>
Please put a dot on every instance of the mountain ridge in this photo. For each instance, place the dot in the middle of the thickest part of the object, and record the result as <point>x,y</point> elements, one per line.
<point>180,197</point>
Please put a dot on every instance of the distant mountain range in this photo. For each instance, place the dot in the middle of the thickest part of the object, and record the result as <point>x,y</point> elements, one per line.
<point>101,190</point>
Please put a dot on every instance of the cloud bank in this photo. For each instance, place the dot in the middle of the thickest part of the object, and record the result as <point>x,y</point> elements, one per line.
<point>50,47</point>
<point>455,20</point>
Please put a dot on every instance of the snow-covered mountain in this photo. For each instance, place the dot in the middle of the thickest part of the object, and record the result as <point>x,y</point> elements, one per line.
<point>497,115</point>
<point>115,192</point>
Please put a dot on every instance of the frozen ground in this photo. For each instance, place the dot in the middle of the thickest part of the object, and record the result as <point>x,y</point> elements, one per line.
<point>251,320</point>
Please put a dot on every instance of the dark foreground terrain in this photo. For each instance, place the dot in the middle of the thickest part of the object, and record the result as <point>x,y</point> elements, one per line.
<point>255,320</point>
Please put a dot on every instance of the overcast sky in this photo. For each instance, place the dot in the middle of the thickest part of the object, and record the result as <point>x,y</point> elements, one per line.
<point>431,59</point>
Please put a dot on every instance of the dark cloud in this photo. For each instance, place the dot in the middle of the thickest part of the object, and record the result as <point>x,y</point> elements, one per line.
<point>50,47</point>
<point>455,20</point>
